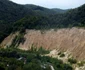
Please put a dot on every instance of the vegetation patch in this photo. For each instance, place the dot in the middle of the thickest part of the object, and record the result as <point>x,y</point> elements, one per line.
<point>72,61</point>
<point>61,54</point>
<point>16,59</point>
<point>82,63</point>
<point>17,40</point>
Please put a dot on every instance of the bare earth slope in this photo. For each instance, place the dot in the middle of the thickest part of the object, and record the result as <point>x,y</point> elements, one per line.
<point>72,40</point>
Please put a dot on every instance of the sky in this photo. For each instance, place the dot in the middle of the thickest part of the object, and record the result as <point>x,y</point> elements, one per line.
<point>62,4</point>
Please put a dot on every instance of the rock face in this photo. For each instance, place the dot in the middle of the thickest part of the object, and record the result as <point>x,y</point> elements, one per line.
<point>71,40</point>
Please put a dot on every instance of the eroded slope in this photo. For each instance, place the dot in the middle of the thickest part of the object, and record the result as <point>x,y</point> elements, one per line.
<point>71,40</point>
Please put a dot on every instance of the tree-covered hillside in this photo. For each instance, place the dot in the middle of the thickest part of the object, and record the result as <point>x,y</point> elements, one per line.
<point>11,12</point>
<point>40,10</point>
<point>59,10</point>
<point>72,18</point>
<point>20,17</point>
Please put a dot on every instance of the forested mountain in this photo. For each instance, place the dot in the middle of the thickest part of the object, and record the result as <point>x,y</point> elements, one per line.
<point>59,10</point>
<point>20,17</point>
<point>11,12</point>
<point>40,10</point>
<point>72,18</point>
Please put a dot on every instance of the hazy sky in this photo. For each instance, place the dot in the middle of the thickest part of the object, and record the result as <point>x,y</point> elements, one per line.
<point>63,4</point>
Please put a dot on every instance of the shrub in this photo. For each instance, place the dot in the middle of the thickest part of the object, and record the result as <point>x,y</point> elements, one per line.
<point>81,63</point>
<point>72,61</point>
<point>61,54</point>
